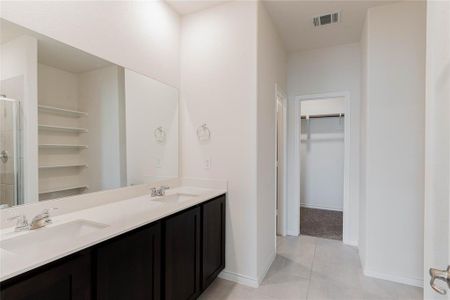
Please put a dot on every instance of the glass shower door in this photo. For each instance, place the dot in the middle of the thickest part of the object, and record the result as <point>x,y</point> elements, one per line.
<point>10,175</point>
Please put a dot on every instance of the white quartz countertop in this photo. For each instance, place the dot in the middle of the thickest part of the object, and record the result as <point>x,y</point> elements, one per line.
<point>34,248</point>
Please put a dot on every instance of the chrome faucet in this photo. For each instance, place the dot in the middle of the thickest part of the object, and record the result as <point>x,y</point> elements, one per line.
<point>161,191</point>
<point>42,219</point>
<point>21,224</point>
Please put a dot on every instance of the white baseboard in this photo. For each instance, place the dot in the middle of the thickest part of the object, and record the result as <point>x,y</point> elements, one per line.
<point>268,263</point>
<point>239,278</point>
<point>350,243</point>
<point>399,279</point>
<point>321,207</point>
<point>293,232</point>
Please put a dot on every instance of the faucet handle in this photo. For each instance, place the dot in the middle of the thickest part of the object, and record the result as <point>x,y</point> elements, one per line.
<point>154,191</point>
<point>21,224</point>
<point>46,213</point>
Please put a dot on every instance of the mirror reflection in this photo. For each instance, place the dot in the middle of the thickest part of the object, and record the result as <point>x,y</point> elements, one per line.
<point>66,119</point>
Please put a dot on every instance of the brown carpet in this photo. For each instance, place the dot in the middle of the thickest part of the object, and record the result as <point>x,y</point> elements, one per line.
<point>321,223</point>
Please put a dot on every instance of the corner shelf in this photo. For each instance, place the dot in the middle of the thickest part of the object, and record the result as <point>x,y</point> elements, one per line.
<point>62,146</point>
<point>45,167</point>
<point>63,189</point>
<point>62,111</point>
<point>62,128</point>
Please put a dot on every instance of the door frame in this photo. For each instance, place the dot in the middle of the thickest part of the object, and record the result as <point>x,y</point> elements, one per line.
<point>294,203</point>
<point>281,224</point>
<point>437,146</point>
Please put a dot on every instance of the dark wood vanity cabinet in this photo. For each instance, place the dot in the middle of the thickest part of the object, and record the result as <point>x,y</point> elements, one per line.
<point>213,240</point>
<point>181,234</point>
<point>128,267</point>
<point>175,258</point>
<point>66,279</point>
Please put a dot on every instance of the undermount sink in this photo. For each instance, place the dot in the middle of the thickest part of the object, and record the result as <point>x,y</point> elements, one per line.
<point>175,198</point>
<point>49,237</point>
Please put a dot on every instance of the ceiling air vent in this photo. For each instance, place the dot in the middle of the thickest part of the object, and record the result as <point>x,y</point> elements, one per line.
<point>327,19</point>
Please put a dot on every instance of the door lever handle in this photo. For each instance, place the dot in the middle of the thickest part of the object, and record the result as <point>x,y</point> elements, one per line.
<point>443,275</point>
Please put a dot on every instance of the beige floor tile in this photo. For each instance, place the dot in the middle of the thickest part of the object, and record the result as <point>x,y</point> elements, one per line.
<point>325,288</point>
<point>286,265</point>
<point>406,292</point>
<point>315,269</point>
<point>281,285</point>
<point>300,250</point>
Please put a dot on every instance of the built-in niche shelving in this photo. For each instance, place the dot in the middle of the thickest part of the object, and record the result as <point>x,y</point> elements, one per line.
<point>62,132</point>
<point>62,111</point>
<point>60,147</point>
<point>63,146</point>
<point>59,143</point>
<point>63,189</point>
<point>43,167</point>
<point>62,128</point>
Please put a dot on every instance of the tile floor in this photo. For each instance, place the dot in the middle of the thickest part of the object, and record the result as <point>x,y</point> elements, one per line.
<point>314,268</point>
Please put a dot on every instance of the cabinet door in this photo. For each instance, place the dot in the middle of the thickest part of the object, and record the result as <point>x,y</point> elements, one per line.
<point>213,240</point>
<point>69,279</point>
<point>128,267</point>
<point>182,255</point>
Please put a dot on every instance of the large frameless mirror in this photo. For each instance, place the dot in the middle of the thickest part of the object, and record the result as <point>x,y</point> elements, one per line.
<point>73,123</point>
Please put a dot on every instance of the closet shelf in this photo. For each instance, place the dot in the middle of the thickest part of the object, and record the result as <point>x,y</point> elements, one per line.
<point>336,115</point>
<point>62,111</point>
<point>63,146</point>
<point>62,189</point>
<point>63,166</point>
<point>61,128</point>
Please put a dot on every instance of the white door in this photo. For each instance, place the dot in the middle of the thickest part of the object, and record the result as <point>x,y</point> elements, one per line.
<point>437,160</point>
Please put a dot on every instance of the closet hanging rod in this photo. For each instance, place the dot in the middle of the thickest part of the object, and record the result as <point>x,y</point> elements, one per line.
<point>324,116</point>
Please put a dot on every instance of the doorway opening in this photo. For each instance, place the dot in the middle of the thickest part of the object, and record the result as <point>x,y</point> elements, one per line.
<point>322,168</point>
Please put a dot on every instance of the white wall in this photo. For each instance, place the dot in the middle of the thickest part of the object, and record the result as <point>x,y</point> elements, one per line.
<point>139,35</point>
<point>322,163</point>
<point>362,237</point>
<point>327,70</point>
<point>100,97</point>
<point>219,88</point>
<point>323,107</point>
<point>394,141</point>
<point>57,87</point>
<point>271,67</point>
<point>322,155</point>
<point>149,105</point>
<point>18,58</point>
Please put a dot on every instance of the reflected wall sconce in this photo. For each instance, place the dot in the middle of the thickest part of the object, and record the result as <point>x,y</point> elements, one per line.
<point>203,133</point>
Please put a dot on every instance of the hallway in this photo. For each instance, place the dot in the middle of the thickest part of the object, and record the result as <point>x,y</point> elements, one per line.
<point>316,269</point>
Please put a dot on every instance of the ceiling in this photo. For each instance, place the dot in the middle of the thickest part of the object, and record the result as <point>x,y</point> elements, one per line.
<point>184,7</point>
<point>294,22</point>
<point>52,52</point>
<point>293,19</point>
